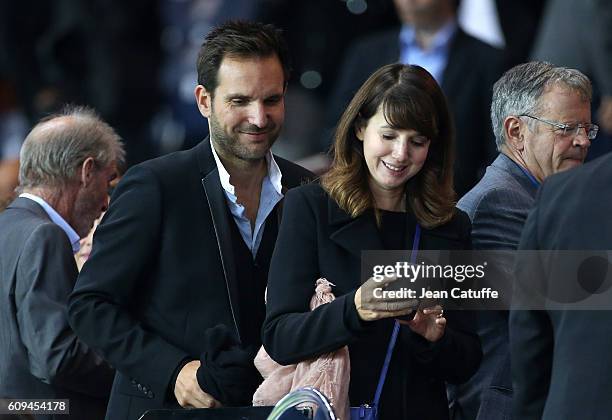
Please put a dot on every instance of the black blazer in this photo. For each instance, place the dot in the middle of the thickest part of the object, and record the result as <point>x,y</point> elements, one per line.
<point>161,274</point>
<point>318,239</point>
<point>467,82</point>
<point>561,365</point>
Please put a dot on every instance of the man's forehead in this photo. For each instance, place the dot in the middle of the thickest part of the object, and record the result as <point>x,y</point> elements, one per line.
<point>236,73</point>
<point>561,89</point>
<point>559,97</point>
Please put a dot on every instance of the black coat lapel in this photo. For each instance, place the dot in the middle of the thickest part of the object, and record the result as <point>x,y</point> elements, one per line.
<point>220,219</point>
<point>292,175</point>
<point>353,234</point>
<point>393,50</point>
<point>457,62</point>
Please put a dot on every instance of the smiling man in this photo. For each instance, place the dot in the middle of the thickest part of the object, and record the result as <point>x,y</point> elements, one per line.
<point>541,118</point>
<point>173,293</point>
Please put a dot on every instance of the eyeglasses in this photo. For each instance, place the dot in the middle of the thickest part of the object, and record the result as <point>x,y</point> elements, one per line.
<point>570,129</point>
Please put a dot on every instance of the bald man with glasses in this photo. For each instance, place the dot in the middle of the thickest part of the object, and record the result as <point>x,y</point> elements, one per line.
<point>541,116</point>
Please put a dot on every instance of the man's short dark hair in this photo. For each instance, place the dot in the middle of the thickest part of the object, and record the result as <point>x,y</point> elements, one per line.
<point>240,39</point>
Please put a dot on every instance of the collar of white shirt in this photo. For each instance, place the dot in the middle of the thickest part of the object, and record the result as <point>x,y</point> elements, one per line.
<point>271,194</point>
<point>55,217</point>
<point>274,172</point>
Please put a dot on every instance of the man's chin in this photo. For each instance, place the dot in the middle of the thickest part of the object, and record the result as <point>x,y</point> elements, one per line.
<point>570,163</point>
<point>256,149</point>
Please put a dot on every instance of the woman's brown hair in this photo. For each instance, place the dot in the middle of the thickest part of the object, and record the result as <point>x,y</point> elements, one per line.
<point>410,99</point>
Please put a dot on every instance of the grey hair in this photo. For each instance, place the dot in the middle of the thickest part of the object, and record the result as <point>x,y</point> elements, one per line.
<point>57,146</point>
<point>519,90</point>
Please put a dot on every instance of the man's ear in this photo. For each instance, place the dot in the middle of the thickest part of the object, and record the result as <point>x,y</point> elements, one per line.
<point>204,100</point>
<point>513,132</point>
<point>88,168</point>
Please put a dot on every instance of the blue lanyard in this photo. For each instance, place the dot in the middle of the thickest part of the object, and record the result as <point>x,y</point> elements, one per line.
<point>396,326</point>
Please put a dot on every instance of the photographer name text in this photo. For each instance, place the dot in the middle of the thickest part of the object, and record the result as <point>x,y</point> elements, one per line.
<point>424,293</point>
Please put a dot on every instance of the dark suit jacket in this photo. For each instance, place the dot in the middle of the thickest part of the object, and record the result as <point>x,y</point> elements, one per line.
<point>40,356</point>
<point>161,274</point>
<point>518,39</point>
<point>561,365</point>
<point>318,239</point>
<point>497,206</point>
<point>467,82</point>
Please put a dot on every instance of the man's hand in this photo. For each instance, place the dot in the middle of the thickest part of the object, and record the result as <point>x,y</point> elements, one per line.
<point>187,391</point>
<point>372,304</point>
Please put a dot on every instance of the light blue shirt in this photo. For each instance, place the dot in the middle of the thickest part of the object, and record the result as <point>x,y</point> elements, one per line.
<point>435,58</point>
<point>55,217</point>
<point>271,194</point>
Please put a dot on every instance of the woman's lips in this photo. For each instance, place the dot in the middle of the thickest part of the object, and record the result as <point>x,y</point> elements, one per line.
<point>394,169</point>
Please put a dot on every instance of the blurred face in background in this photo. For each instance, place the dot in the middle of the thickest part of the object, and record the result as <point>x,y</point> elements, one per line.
<point>424,14</point>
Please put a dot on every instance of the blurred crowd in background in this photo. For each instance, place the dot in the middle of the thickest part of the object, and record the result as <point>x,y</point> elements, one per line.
<point>133,61</point>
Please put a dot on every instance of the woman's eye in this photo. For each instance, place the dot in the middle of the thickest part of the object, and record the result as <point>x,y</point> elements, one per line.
<point>388,137</point>
<point>419,141</point>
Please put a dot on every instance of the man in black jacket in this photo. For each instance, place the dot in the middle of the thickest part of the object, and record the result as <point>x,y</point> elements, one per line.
<point>173,294</point>
<point>561,358</point>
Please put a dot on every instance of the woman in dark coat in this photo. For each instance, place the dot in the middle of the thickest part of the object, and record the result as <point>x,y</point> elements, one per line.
<point>392,170</point>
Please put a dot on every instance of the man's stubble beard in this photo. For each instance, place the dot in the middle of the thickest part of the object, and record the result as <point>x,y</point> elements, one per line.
<point>230,144</point>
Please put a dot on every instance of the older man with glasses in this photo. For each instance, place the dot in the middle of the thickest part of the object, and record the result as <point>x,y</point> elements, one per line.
<point>541,118</point>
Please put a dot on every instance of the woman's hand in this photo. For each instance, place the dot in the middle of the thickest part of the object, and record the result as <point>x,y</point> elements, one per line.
<point>373,303</point>
<point>429,323</point>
